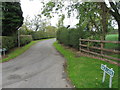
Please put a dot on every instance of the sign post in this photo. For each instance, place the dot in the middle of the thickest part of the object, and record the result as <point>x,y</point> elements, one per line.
<point>109,72</point>
<point>3,50</point>
<point>104,74</point>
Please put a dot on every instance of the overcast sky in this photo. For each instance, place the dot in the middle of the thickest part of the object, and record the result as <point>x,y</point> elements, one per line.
<point>33,7</point>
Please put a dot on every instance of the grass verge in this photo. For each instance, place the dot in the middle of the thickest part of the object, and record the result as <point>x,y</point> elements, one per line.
<point>85,72</point>
<point>18,51</point>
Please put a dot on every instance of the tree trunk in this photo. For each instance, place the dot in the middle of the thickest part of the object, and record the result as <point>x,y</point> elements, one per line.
<point>115,14</point>
<point>119,34</point>
<point>104,21</point>
<point>119,30</point>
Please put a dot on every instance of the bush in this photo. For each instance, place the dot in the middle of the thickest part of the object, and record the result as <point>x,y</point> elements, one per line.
<point>25,39</point>
<point>38,35</point>
<point>63,35</point>
<point>71,36</point>
<point>8,42</point>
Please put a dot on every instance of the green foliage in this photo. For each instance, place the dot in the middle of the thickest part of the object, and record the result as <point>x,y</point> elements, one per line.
<point>60,21</point>
<point>51,6</point>
<point>47,8</point>
<point>25,39</point>
<point>63,35</point>
<point>71,36</point>
<point>11,42</point>
<point>48,32</point>
<point>38,35</point>
<point>8,42</point>
<point>25,31</point>
<point>12,17</point>
<point>93,16</point>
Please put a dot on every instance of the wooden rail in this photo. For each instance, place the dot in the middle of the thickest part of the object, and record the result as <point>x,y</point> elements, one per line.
<point>101,48</point>
<point>108,50</point>
<point>101,41</point>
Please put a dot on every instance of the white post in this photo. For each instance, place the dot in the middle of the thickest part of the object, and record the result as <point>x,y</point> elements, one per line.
<point>104,75</point>
<point>110,82</point>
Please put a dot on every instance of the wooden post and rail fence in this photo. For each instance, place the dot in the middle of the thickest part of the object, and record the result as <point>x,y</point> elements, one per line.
<point>87,47</point>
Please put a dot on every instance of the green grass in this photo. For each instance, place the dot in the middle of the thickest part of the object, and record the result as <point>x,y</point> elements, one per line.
<point>111,37</point>
<point>85,72</point>
<point>18,51</point>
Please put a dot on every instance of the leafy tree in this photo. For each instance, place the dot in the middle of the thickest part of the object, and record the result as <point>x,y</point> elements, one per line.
<point>54,7</point>
<point>36,22</point>
<point>25,31</point>
<point>60,21</point>
<point>94,17</point>
<point>114,11</point>
<point>51,31</point>
<point>12,18</point>
<point>28,22</point>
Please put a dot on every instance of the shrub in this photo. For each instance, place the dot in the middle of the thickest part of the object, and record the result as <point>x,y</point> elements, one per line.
<point>8,42</point>
<point>70,36</point>
<point>38,35</point>
<point>64,35</point>
<point>25,39</point>
<point>41,35</point>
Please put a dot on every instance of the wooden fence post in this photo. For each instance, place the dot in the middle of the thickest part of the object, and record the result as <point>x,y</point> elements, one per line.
<point>102,45</point>
<point>88,45</point>
<point>80,45</point>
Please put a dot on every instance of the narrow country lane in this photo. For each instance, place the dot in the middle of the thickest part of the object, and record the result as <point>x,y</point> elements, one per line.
<point>39,67</point>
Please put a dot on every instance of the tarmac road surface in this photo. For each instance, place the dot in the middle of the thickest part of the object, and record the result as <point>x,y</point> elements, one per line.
<point>39,67</point>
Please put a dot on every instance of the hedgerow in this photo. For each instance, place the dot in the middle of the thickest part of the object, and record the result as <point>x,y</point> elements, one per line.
<point>70,36</point>
<point>8,42</point>
<point>25,39</point>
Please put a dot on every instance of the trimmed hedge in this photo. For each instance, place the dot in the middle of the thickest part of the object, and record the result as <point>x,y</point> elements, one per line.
<point>37,35</point>
<point>8,42</point>
<point>70,36</point>
<point>25,39</point>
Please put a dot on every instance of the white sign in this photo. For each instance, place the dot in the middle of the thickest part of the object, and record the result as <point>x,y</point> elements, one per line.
<point>3,50</point>
<point>109,72</point>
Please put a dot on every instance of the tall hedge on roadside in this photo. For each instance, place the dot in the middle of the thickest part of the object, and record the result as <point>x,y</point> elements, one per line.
<point>8,42</point>
<point>38,35</point>
<point>25,39</point>
<point>70,36</point>
<point>63,35</point>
